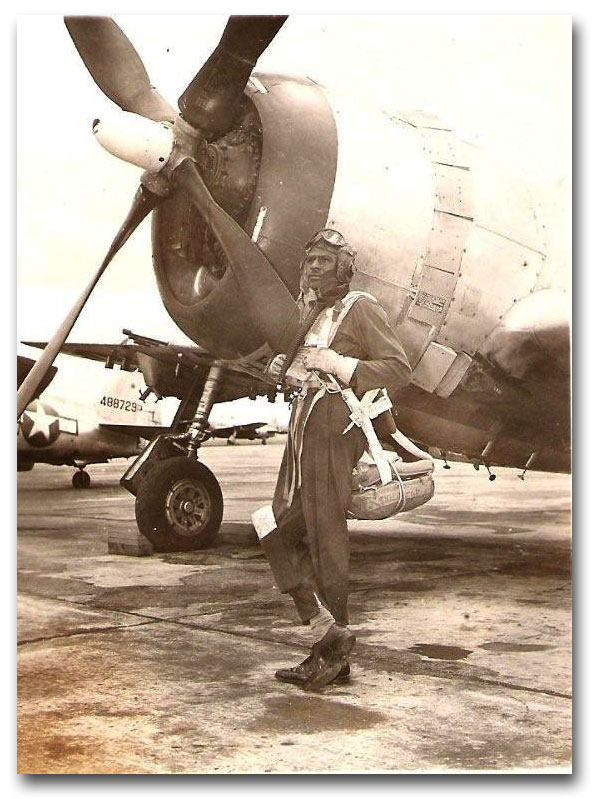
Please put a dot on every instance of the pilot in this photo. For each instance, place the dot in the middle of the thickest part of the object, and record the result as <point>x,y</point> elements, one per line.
<point>304,532</point>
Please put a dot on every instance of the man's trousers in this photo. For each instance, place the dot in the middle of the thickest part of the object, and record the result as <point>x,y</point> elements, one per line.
<point>309,550</point>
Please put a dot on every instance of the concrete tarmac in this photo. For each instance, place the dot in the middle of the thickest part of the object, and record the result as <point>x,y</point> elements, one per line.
<point>164,664</point>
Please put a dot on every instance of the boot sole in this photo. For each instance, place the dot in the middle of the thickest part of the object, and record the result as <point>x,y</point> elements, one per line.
<point>295,680</point>
<point>329,672</point>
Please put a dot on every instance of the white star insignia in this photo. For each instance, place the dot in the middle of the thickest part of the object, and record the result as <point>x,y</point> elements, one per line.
<point>42,422</point>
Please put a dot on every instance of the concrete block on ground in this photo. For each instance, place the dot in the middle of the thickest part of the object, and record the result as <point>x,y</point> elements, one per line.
<point>128,542</point>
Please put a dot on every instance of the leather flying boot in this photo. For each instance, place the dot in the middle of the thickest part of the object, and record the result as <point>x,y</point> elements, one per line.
<point>298,675</point>
<point>330,656</point>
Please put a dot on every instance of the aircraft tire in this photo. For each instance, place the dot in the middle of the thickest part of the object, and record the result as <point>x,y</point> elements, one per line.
<point>81,479</point>
<point>179,505</point>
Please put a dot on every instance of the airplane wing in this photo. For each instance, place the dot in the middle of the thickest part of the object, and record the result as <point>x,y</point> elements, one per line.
<point>135,430</point>
<point>125,354</point>
<point>170,369</point>
<point>227,430</point>
<point>150,431</point>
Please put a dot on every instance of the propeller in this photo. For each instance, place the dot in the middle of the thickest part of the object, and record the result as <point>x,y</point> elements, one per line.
<point>276,312</point>
<point>142,205</point>
<point>209,107</point>
<point>212,98</point>
<point>116,67</point>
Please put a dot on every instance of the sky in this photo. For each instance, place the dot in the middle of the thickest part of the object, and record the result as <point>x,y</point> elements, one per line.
<point>502,81</point>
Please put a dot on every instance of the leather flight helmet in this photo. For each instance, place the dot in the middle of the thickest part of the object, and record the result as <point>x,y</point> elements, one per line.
<point>345,252</point>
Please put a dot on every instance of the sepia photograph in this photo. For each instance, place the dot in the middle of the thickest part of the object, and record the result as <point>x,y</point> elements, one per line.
<point>294,310</point>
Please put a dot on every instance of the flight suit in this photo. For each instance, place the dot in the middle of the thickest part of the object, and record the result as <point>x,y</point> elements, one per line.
<point>308,550</point>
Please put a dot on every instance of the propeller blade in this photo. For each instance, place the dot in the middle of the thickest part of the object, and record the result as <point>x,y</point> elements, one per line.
<point>143,203</point>
<point>274,309</point>
<point>211,101</point>
<point>116,67</point>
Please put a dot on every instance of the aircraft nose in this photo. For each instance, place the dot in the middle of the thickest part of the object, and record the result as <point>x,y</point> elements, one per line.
<point>534,334</point>
<point>546,314</point>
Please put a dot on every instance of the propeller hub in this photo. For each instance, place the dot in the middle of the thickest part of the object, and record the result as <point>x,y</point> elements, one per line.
<point>136,139</point>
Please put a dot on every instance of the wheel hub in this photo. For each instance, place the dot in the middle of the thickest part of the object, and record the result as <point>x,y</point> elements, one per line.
<point>188,507</point>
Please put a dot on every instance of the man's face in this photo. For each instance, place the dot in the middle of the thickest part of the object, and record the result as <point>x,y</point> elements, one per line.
<point>319,259</point>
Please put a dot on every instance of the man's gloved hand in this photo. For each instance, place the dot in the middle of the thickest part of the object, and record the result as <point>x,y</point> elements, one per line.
<point>274,366</point>
<point>327,360</point>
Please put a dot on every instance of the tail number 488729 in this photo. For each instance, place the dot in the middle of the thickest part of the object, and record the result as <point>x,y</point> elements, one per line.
<point>121,404</point>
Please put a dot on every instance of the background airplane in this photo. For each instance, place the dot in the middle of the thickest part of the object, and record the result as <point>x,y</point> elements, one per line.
<point>60,430</point>
<point>255,420</point>
<point>57,430</point>
<point>451,243</point>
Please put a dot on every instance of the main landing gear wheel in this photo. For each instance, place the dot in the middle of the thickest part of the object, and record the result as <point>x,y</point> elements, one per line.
<point>179,505</point>
<point>81,479</point>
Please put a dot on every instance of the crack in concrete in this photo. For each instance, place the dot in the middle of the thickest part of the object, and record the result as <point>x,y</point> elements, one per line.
<point>90,631</point>
<point>145,620</point>
<point>298,645</point>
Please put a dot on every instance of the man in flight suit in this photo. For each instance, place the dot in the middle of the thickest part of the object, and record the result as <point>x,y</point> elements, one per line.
<point>305,537</point>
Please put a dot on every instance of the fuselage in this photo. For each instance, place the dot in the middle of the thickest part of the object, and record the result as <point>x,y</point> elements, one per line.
<point>68,436</point>
<point>449,242</point>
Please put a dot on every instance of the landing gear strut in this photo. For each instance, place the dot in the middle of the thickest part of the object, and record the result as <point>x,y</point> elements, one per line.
<point>179,504</point>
